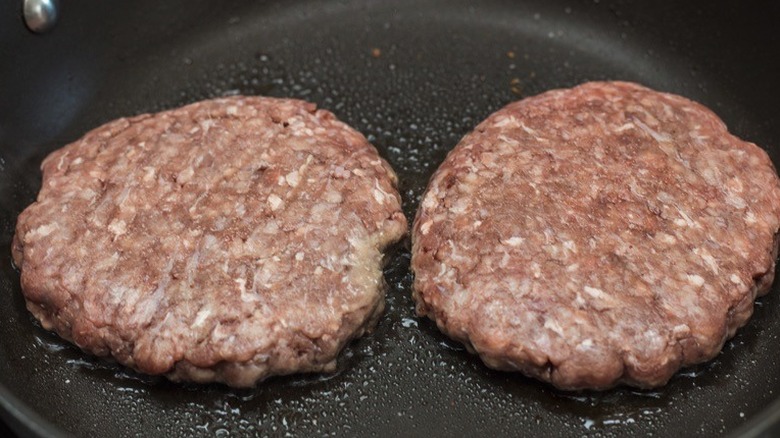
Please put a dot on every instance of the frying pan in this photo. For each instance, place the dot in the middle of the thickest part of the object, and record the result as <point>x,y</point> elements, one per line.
<point>414,76</point>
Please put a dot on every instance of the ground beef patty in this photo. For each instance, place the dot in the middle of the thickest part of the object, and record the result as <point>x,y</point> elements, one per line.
<point>228,240</point>
<point>598,235</point>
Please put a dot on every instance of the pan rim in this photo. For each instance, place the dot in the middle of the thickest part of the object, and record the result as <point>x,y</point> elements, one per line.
<point>763,423</point>
<point>23,420</point>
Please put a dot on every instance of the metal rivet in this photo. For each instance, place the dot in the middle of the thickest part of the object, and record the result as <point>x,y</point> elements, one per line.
<point>40,15</point>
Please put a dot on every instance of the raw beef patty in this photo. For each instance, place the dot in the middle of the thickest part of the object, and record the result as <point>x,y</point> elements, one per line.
<point>597,235</point>
<point>228,240</point>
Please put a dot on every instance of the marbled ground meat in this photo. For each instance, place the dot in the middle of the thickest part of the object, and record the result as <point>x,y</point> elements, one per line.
<point>597,235</point>
<point>227,240</point>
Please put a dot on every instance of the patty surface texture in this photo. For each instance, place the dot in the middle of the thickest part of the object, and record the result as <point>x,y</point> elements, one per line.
<point>227,240</point>
<point>600,235</point>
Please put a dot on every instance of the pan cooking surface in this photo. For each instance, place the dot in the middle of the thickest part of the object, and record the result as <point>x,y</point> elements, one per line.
<point>414,77</point>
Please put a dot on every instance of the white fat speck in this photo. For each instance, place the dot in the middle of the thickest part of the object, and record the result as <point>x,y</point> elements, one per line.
<point>442,271</point>
<point>680,222</point>
<point>209,240</point>
<point>528,130</point>
<point>572,267</point>
<point>292,178</point>
<point>625,127</point>
<point>359,172</point>
<point>340,172</point>
<point>194,129</point>
<point>587,343</point>
<point>735,185</point>
<point>200,318</point>
<point>429,202</point>
<point>241,285</point>
<point>119,294</point>
<point>548,233</point>
<point>710,175</point>
<point>206,125</point>
<point>117,227</point>
<point>514,241</point>
<point>425,227</point>
<point>696,280</point>
<point>536,269</point>
<point>552,325</point>
<point>62,160</point>
<point>250,296</point>
<point>658,136</point>
<point>736,201</point>
<point>750,217</point>
<point>378,196</point>
<point>505,121</point>
<point>149,304</point>
<point>476,224</point>
<point>579,301</point>
<point>508,140</point>
<point>654,338</point>
<point>149,173</point>
<point>460,206</point>
<point>123,196</point>
<point>240,209</point>
<point>220,223</point>
<point>594,292</point>
<point>232,110</point>
<point>275,202</point>
<point>318,270</point>
<point>107,262</point>
<point>192,266</point>
<point>281,180</point>
<point>381,195</point>
<point>708,259</point>
<point>685,216</point>
<point>299,256</point>
<point>635,189</point>
<point>42,231</point>
<point>735,279</point>
<point>666,238</point>
<point>504,260</point>
<point>333,196</point>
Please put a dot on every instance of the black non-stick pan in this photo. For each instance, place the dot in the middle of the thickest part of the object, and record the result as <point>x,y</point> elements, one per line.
<point>414,76</point>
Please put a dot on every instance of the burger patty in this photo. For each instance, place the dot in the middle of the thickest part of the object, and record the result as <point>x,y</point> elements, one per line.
<point>228,240</point>
<point>597,235</point>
